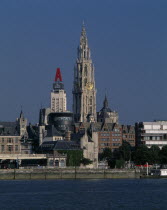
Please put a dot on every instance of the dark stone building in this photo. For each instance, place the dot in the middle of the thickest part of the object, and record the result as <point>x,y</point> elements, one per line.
<point>106,115</point>
<point>128,134</point>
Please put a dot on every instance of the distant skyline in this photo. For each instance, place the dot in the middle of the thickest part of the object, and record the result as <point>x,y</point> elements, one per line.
<point>128,42</point>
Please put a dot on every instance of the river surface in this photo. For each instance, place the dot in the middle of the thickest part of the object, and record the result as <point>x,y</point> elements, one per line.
<point>84,194</point>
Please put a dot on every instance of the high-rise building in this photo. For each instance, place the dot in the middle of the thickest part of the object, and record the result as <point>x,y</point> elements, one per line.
<point>58,94</point>
<point>151,133</point>
<point>84,91</point>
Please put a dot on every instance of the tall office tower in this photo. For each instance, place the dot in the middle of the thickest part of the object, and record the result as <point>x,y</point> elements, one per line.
<point>58,94</point>
<point>84,92</point>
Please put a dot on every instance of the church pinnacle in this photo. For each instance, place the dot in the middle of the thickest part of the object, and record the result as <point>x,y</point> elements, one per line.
<point>105,103</point>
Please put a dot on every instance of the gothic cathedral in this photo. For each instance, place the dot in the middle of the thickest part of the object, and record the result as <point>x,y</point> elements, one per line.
<point>84,91</point>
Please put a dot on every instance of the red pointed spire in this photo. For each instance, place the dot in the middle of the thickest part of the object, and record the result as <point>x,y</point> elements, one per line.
<point>58,75</point>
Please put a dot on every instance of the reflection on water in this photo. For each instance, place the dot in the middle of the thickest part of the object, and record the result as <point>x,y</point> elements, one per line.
<point>84,194</point>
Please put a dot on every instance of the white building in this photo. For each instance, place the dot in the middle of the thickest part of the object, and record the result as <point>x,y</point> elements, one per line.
<point>152,133</point>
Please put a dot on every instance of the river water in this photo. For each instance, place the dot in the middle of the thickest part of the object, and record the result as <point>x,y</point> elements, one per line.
<point>84,194</point>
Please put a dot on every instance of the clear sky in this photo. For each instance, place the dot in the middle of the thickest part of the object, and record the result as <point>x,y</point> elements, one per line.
<point>128,41</point>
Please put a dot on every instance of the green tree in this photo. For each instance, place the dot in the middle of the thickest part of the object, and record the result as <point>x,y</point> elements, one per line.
<point>74,157</point>
<point>141,155</point>
<point>106,154</point>
<point>86,161</point>
<point>154,154</point>
<point>163,155</point>
<point>125,151</point>
<point>120,163</point>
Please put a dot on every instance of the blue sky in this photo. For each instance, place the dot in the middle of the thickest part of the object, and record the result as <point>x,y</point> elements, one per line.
<point>128,41</point>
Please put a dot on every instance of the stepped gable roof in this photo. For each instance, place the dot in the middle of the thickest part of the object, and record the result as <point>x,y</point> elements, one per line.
<point>107,126</point>
<point>128,128</point>
<point>97,126</point>
<point>8,129</point>
<point>131,128</point>
<point>59,145</point>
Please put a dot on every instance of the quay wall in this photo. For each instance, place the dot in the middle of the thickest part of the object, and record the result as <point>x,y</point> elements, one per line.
<point>65,173</point>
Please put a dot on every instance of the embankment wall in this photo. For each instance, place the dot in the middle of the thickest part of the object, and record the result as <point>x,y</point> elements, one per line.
<point>66,173</point>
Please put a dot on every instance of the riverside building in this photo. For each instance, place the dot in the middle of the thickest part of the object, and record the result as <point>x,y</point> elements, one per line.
<point>152,133</point>
<point>14,138</point>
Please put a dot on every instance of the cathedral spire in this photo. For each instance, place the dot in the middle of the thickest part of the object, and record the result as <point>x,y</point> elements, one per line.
<point>83,49</point>
<point>83,32</point>
<point>84,92</point>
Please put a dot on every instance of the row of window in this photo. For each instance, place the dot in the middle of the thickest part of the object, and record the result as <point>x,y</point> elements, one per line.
<point>9,140</point>
<point>107,139</point>
<point>104,144</point>
<point>115,139</point>
<point>116,144</point>
<point>105,134</point>
<point>116,130</point>
<point>131,141</point>
<point>113,144</point>
<point>116,134</point>
<point>129,136</point>
<point>152,137</point>
<point>9,148</point>
<point>103,139</point>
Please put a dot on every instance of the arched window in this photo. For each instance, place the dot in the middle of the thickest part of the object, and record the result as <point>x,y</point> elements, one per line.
<point>57,163</point>
<point>62,163</point>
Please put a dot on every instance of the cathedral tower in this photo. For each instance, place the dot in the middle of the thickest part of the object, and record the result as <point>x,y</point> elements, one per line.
<point>58,94</point>
<point>84,92</point>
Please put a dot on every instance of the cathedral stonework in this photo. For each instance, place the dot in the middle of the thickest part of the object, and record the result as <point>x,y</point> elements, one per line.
<point>84,91</point>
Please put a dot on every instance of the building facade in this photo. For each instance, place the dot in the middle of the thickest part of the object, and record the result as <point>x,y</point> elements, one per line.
<point>151,133</point>
<point>84,91</point>
<point>110,136</point>
<point>14,137</point>
<point>128,134</point>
